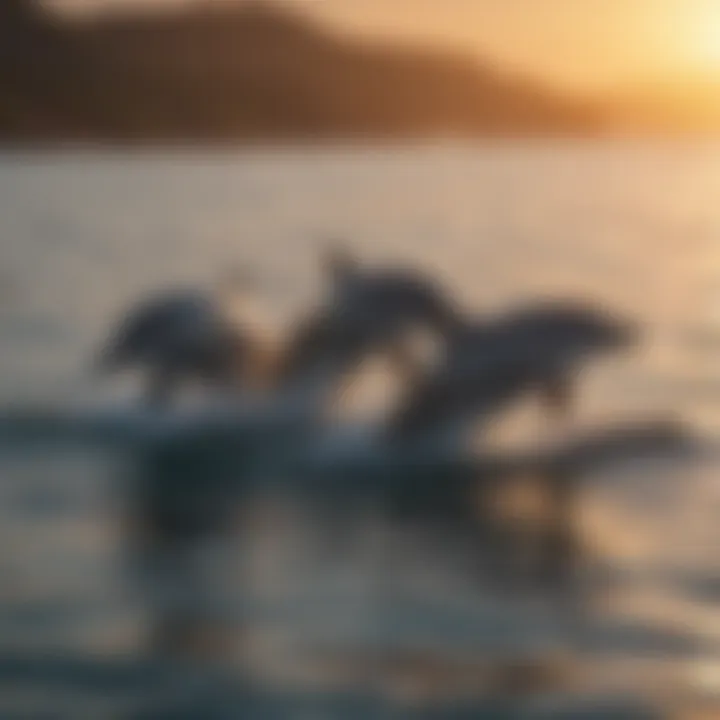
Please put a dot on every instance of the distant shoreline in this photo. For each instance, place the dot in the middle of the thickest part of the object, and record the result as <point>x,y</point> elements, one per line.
<point>253,74</point>
<point>344,143</point>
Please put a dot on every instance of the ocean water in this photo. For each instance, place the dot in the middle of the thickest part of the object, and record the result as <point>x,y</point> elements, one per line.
<point>633,226</point>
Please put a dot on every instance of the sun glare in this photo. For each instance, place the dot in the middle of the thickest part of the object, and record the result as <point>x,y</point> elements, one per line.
<point>704,40</point>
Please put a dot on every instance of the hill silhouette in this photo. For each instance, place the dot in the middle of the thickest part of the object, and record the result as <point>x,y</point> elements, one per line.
<point>247,71</point>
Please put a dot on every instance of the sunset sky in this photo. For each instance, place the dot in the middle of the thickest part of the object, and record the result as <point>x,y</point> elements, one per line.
<point>588,44</point>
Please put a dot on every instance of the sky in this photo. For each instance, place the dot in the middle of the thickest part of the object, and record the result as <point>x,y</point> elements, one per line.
<point>578,44</point>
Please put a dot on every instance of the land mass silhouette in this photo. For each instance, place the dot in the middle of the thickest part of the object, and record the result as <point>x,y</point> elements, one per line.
<point>249,71</point>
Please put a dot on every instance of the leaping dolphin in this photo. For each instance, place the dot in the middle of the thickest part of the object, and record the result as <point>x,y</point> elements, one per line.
<point>180,336</point>
<point>538,348</point>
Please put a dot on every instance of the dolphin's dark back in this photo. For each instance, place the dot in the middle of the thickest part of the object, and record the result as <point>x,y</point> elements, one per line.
<point>402,298</point>
<point>557,327</point>
<point>146,328</point>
